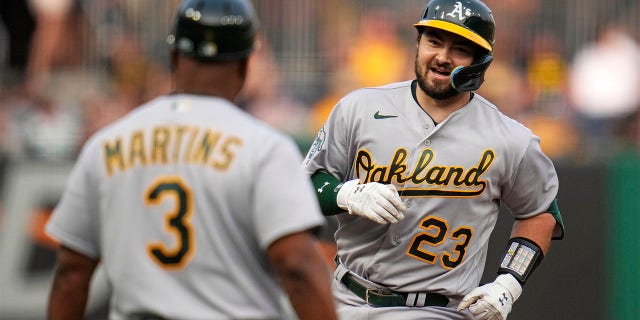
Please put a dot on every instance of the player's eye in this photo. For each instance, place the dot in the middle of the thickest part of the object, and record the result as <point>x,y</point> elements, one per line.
<point>432,39</point>
<point>463,50</point>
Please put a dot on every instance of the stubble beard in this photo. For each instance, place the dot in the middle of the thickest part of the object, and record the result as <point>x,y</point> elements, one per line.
<point>435,91</point>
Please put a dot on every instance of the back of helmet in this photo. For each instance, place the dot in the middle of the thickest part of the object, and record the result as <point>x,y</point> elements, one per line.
<point>215,30</point>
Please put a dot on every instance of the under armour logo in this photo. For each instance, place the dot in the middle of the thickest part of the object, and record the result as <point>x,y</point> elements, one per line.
<point>322,188</point>
<point>504,299</point>
<point>358,188</point>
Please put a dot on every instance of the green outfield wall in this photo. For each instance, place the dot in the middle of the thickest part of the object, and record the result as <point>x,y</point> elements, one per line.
<point>623,257</point>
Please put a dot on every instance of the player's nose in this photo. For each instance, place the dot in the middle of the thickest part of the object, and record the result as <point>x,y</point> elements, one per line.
<point>443,56</point>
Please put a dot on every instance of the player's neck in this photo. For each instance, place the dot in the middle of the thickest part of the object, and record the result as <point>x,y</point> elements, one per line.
<point>220,80</point>
<point>438,109</point>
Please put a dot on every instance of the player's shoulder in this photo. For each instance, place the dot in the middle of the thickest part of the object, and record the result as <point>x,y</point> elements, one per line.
<point>373,96</point>
<point>484,110</point>
<point>130,117</point>
<point>204,111</point>
<point>187,109</point>
<point>387,89</point>
<point>488,107</point>
<point>230,118</point>
<point>113,129</point>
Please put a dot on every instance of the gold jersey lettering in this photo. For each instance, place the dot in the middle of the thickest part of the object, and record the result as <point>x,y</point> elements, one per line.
<point>428,179</point>
<point>228,153</point>
<point>136,149</point>
<point>193,132</point>
<point>179,131</point>
<point>114,159</point>
<point>167,144</point>
<point>160,145</point>
<point>207,143</point>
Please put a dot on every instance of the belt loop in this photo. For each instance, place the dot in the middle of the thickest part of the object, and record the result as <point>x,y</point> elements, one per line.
<point>411,300</point>
<point>422,298</point>
<point>340,272</point>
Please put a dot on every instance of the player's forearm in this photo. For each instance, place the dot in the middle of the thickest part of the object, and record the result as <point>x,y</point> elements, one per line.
<point>66,304</point>
<point>70,289</point>
<point>327,187</point>
<point>310,296</point>
<point>68,297</point>
<point>304,276</point>
<point>538,229</point>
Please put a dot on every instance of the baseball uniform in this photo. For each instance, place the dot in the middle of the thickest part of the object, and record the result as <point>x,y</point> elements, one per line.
<point>451,175</point>
<point>180,200</point>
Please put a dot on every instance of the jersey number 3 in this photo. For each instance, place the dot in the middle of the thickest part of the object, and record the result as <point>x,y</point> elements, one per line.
<point>436,231</point>
<point>177,222</point>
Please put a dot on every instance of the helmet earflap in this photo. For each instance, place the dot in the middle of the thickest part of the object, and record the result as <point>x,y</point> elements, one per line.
<point>470,78</point>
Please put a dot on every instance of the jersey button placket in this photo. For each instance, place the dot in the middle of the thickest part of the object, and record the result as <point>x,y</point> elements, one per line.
<point>430,132</point>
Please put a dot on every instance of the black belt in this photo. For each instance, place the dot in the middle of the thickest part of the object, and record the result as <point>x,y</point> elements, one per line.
<point>388,298</point>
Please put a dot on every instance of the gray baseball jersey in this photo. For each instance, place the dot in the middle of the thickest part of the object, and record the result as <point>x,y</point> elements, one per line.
<point>452,176</point>
<point>180,200</point>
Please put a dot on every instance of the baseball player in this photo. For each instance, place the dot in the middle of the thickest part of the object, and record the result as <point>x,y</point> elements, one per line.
<point>195,209</point>
<point>416,171</point>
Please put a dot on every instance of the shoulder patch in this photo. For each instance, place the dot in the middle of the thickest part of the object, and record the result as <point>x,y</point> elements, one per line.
<point>318,142</point>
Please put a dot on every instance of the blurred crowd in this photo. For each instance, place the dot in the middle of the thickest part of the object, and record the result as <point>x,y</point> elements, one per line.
<point>568,70</point>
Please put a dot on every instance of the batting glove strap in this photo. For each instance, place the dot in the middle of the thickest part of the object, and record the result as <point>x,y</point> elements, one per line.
<point>375,201</point>
<point>493,301</point>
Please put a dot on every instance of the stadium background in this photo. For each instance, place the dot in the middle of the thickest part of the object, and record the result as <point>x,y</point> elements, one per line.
<point>96,59</point>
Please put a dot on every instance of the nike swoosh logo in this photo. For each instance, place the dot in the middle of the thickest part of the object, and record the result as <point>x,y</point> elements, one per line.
<point>377,115</point>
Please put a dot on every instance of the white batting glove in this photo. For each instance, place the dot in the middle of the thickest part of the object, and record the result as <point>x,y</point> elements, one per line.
<point>376,201</point>
<point>493,301</point>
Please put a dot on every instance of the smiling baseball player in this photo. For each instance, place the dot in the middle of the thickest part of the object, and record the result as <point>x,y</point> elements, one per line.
<point>416,171</point>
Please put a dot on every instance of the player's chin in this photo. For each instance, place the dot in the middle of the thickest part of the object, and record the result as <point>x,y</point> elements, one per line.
<point>440,91</point>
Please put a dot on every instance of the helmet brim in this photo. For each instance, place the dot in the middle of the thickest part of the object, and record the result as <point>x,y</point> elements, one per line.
<point>457,29</point>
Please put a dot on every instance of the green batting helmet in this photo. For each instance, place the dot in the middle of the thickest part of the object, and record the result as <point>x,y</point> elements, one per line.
<point>472,20</point>
<point>215,30</point>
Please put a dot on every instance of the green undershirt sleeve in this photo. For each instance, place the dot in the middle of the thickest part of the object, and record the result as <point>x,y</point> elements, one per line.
<point>554,210</point>
<point>327,187</point>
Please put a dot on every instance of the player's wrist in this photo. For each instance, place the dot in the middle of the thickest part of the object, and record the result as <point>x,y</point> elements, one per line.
<point>521,257</point>
<point>512,285</point>
<point>342,199</point>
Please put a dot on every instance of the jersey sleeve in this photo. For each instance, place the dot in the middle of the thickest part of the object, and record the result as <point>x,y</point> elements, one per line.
<point>74,220</point>
<point>285,201</point>
<point>330,151</point>
<point>535,185</point>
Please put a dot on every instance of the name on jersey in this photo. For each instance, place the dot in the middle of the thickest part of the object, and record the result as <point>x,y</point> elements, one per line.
<point>430,179</point>
<point>171,144</point>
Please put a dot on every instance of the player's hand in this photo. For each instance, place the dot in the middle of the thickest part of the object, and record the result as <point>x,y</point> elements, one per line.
<point>376,201</point>
<point>493,301</point>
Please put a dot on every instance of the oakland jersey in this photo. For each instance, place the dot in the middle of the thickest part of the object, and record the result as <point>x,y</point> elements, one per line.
<point>451,175</point>
<point>180,200</point>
